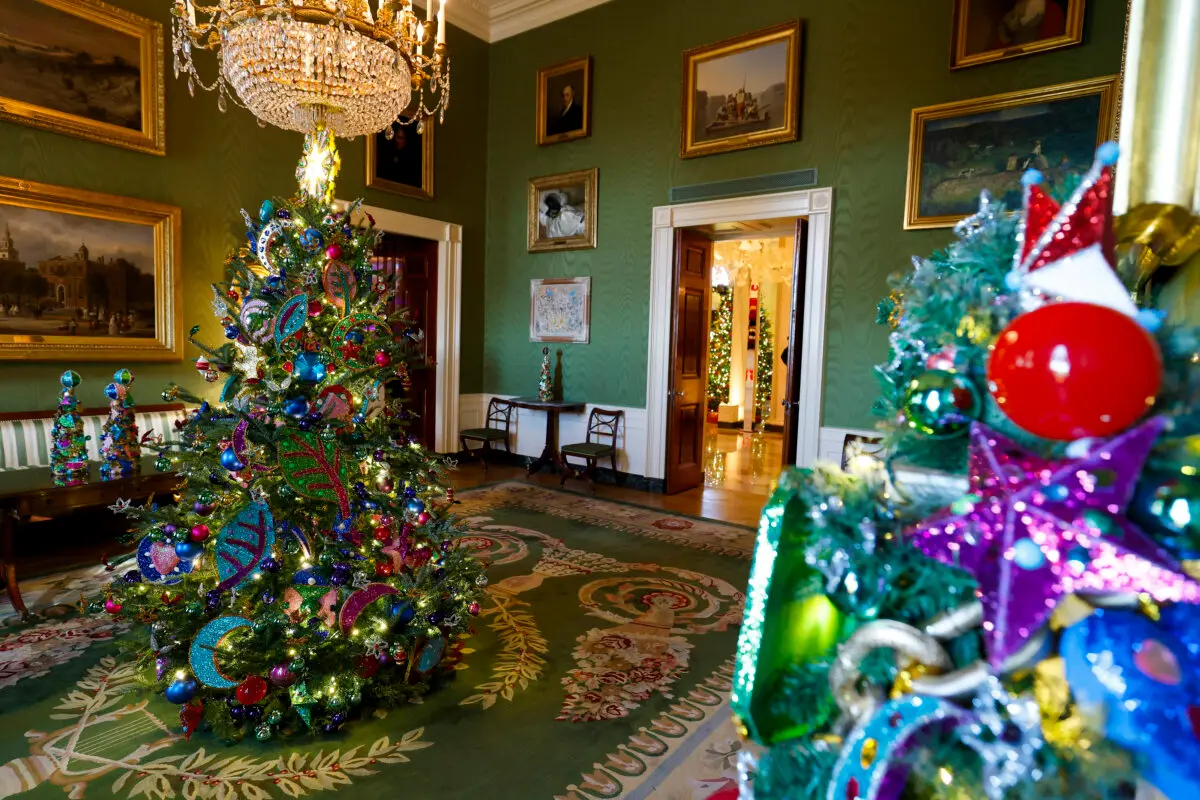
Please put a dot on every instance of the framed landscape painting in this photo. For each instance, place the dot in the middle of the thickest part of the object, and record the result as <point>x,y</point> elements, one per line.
<point>562,211</point>
<point>403,162</point>
<point>956,150</point>
<point>995,30</point>
<point>560,309</point>
<point>742,92</point>
<point>564,102</point>
<point>83,68</point>
<point>87,276</point>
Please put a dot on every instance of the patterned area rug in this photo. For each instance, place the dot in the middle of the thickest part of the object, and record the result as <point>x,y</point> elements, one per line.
<point>600,669</point>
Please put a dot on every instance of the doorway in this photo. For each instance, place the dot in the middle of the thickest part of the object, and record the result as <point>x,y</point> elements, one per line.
<point>735,385</point>
<point>814,205</point>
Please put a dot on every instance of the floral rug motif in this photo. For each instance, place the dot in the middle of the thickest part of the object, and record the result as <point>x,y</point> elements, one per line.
<point>619,618</point>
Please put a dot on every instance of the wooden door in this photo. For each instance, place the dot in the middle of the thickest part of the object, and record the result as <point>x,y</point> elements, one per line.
<point>410,265</point>
<point>689,362</point>
<point>791,402</point>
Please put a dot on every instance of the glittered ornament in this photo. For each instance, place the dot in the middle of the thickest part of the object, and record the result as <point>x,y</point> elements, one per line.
<point>941,403</point>
<point>162,464</point>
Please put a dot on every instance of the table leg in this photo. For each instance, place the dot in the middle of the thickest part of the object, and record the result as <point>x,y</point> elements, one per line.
<point>549,454</point>
<point>8,563</point>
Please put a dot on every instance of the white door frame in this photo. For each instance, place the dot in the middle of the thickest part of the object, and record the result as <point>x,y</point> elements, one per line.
<point>817,206</point>
<point>449,307</point>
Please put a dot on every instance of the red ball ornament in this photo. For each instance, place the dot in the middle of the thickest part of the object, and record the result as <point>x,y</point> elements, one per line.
<point>423,518</point>
<point>200,533</point>
<point>251,690</point>
<point>382,534</point>
<point>334,251</point>
<point>368,666</point>
<point>315,307</point>
<point>112,606</point>
<point>473,609</point>
<point>382,359</point>
<point>384,568</point>
<point>1071,370</point>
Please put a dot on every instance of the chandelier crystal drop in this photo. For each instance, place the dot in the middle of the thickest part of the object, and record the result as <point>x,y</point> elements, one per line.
<point>332,64</point>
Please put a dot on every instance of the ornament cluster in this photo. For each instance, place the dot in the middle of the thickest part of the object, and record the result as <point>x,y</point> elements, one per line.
<point>68,439</point>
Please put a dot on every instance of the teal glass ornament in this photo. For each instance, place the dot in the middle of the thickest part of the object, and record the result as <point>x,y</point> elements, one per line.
<point>123,377</point>
<point>162,464</point>
<point>941,403</point>
<point>70,379</point>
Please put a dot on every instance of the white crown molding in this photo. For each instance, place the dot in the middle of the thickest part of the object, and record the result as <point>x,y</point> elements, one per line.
<point>493,20</point>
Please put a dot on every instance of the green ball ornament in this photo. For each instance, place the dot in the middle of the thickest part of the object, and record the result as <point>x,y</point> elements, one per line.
<point>274,718</point>
<point>206,497</point>
<point>941,403</point>
<point>162,464</point>
<point>262,624</point>
<point>123,377</point>
<point>296,665</point>
<point>262,733</point>
<point>354,698</point>
<point>194,609</point>
<point>335,703</point>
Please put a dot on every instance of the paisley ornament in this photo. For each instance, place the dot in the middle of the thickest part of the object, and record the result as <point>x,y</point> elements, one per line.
<point>242,544</point>
<point>291,317</point>
<point>340,284</point>
<point>315,468</point>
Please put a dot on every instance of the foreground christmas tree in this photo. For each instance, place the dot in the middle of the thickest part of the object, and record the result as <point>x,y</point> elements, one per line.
<point>1005,607</point>
<point>308,570</point>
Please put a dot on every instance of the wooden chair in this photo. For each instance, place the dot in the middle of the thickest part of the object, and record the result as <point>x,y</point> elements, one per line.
<point>602,425</point>
<point>496,429</point>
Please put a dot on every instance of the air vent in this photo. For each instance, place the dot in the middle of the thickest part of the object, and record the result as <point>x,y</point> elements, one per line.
<point>758,184</point>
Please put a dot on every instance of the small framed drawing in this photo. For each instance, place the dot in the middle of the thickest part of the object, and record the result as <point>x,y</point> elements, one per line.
<point>402,163</point>
<point>564,101</point>
<point>560,309</point>
<point>742,92</point>
<point>562,211</point>
<point>996,30</point>
<point>87,276</point>
<point>956,150</point>
<point>83,68</point>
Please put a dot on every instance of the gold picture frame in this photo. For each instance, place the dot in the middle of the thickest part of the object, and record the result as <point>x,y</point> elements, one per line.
<point>968,30</point>
<point>57,311</point>
<point>576,75</point>
<point>758,127</point>
<point>563,225</point>
<point>54,84</point>
<point>941,192</point>
<point>393,178</point>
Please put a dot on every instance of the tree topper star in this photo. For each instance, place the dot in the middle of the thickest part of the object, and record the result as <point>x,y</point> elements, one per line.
<point>1034,530</point>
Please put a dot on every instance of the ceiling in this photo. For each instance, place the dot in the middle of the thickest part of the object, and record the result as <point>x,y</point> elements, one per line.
<point>493,20</point>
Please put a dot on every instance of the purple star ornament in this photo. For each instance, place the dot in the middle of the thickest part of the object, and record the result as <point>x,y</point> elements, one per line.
<point>1033,531</point>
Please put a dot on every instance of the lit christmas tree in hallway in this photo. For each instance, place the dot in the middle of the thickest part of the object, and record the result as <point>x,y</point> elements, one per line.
<point>764,372</point>
<point>308,571</point>
<point>720,346</point>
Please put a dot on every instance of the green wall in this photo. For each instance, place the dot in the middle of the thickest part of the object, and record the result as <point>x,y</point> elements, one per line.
<point>217,163</point>
<point>867,64</point>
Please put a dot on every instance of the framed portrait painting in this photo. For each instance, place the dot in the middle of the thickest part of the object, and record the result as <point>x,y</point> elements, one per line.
<point>83,68</point>
<point>956,150</point>
<point>995,30</point>
<point>87,276</point>
<point>402,162</point>
<point>564,101</point>
<point>562,211</point>
<point>560,309</point>
<point>742,92</point>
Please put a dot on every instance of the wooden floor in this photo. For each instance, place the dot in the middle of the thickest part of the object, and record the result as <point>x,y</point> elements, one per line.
<point>739,473</point>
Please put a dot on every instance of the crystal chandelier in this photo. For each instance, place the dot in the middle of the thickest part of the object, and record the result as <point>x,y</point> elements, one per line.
<point>305,65</point>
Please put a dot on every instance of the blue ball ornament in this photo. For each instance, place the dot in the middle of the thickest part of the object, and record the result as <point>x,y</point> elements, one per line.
<point>232,331</point>
<point>416,505</point>
<point>112,391</point>
<point>401,612</point>
<point>359,418</point>
<point>181,691</point>
<point>355,337</point>
<point>309,368</point>
<point>188,551</point>
<point>230,460</point>
<point>132,576</point>
<point>296,406</point>
<point>283,213</point>
<point>311,239</point>
<point>266,211</point>
<point>269,564</point>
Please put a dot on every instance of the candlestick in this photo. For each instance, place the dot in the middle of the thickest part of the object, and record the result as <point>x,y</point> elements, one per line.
<point>441,29</point>
<point>429,10</point>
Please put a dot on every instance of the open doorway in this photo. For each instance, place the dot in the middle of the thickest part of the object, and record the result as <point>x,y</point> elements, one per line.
<point>735,354</point>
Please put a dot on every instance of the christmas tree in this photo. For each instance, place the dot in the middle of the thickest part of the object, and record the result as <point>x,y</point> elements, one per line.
<point>764,372</point>
<point>308,571</point>
<point>120,448</point>
<point>720,347</point>
<point>68,442</point>
<point>1006,606</point>
<point>545,378</point>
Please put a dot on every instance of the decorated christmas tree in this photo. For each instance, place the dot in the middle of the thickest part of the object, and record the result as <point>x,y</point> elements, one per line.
<point>1004,606</point>
<point>120,448</point>
<point>720,347</point>
<point>764,372</point>
<point>68,441</point>
<point>309,570</point>
<point>545,378</point>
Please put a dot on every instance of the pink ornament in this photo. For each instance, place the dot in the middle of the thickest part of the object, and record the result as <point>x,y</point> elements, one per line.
<point>315,307</point>
<point>473,609</point>
<point>382,359</point>
<point>200,533</point>
<point>334,251</point>
<point>282,675</point>
<point>112,606</point>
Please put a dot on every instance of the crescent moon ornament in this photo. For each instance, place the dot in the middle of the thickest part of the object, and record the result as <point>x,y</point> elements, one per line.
<point>203,654</point>
<point>359,600</point>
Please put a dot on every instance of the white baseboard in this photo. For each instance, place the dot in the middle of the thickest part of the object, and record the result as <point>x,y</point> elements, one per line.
<point>529,429</point>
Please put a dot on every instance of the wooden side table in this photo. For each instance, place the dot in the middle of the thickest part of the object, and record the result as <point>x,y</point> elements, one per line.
<point>550,454</point>
<point>28,496</point>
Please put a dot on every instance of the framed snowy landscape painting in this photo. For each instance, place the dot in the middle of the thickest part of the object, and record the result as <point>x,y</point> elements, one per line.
<point>560,309</point>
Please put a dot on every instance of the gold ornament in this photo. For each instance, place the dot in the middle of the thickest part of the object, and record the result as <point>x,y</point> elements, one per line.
<point>975,330</point>
<point>1062,725</point>
<point>1155,235</point>
<point>897,298</point>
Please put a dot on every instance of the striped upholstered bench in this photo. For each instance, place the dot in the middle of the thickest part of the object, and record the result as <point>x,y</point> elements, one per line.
<point>25,436</point>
